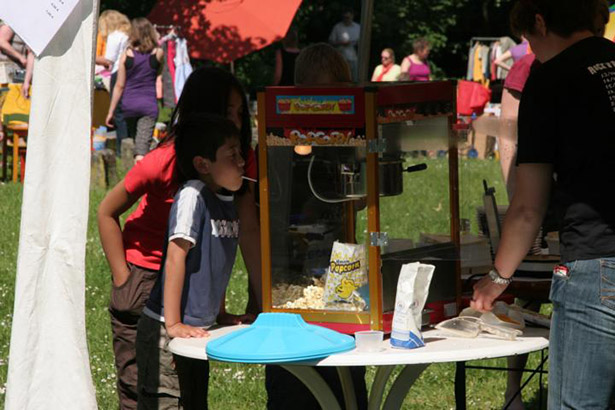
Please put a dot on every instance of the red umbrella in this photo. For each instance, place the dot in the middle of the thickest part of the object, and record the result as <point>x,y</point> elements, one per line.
<point>225,30</point>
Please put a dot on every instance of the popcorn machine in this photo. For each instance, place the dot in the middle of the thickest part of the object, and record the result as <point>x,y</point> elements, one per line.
<point>340,170</point>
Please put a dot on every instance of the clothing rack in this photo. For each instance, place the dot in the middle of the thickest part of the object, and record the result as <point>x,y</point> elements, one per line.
<point>490,72</point>
<point>488,39</point>
<point>176,28</point>
<point>165,26</point>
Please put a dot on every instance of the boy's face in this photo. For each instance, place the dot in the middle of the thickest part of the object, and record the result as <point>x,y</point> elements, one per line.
<point>226,171</point>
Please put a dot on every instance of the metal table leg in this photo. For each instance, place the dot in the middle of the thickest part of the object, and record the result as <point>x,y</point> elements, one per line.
<point>377,392</point>
<point>460,386</point>
<point>315,383</point>
<point>350,398</point>
<point>402,384</point>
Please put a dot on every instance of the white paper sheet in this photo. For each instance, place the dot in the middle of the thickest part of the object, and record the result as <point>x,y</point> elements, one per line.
<point>48,360</point>
<point>36,21</point>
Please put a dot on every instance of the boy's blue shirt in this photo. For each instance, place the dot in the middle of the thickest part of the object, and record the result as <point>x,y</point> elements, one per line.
<point>209,221</point>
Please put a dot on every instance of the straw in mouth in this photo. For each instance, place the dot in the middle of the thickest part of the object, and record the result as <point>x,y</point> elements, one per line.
<point>248,178</point>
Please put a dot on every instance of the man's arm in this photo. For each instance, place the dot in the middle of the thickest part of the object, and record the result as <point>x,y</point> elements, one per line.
<point>521,225</point>
<point>6,35</point>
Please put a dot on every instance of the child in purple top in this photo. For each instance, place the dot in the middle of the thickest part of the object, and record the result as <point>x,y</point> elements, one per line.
<point>136,85</point>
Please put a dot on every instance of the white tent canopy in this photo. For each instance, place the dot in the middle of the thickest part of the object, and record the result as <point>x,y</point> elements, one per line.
<point>48,362</point>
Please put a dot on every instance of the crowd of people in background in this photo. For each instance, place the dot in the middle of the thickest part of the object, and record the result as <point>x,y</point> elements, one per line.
<point>414,67</point>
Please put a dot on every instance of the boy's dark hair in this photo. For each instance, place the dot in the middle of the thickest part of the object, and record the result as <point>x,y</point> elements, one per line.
<point>207,92</point>
<point>199,135</point>
<point>562,17</point>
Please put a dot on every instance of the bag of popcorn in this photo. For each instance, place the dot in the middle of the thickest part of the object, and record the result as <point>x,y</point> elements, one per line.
<point>346,284</point>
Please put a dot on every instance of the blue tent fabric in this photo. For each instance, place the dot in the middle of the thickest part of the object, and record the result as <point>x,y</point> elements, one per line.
<point>279,338</point>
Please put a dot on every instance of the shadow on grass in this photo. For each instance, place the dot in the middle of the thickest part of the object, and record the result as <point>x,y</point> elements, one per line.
<point>533,403</point>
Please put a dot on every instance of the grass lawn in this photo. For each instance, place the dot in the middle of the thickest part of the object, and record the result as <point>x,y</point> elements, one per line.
<point>423,208</point>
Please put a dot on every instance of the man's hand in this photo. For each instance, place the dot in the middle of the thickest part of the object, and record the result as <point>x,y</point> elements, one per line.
<point>228,319</point>
<point>181,330</point>
<point>485,293</point>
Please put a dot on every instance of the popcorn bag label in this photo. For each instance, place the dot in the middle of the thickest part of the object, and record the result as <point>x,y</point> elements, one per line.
<point>346,276</point>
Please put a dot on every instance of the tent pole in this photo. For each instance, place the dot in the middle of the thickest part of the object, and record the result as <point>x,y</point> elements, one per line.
<point>367,9</point>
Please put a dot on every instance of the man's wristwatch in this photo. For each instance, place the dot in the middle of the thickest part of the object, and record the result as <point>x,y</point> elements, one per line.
<point>495,277</point>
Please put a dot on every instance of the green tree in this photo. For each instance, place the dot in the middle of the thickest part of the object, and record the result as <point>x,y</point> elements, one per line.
<point>448,24</point>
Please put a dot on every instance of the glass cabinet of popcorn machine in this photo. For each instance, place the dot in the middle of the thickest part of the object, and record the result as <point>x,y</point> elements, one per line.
<point>353,183</point>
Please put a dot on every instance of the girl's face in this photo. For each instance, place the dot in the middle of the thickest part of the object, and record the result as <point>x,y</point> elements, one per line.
<point>234,109</point>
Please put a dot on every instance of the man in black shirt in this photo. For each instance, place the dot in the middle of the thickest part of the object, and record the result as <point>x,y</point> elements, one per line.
<point>567,128</point>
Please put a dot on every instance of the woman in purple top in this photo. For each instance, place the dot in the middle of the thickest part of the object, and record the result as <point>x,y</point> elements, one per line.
<point>415,67</point>
<point>136,85</point>
<point>516,53</point>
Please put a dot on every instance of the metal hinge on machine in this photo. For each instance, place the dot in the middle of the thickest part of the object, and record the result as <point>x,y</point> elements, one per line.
<point>378,238</point>
<point>377,145</point>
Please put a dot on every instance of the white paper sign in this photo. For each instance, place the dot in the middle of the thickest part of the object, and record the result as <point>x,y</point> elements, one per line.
<point>36,21</point>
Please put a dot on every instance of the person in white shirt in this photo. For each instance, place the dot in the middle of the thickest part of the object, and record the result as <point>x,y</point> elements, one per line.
<point>114,28</point>
<point>345,36</point>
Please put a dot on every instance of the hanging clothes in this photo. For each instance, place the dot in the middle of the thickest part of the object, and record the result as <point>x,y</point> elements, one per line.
<point>506,43</point>
<point>183,69</point>
<point>482,55</point>
<point>169,98</point>
<point>478,72</point>
<point>470,72</point>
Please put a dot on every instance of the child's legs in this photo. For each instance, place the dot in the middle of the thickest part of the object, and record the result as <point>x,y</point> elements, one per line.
<point>127,302</point>
<point>193,382</point>
<point>145,134</point>
<point>158,383</point>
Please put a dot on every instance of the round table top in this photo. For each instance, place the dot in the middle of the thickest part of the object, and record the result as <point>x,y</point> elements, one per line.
<point>439,348</point>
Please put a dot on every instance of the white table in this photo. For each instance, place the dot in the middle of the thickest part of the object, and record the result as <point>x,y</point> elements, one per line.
<point>438,349</point>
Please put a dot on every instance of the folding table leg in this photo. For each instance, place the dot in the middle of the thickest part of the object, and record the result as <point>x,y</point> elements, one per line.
<point>460,386</point>
<point>350,398</point>
<point>315,383</point>
<point>380,381</point>
<point>402,384</point>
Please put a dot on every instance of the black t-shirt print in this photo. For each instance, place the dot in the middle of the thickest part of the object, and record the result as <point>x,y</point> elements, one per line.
<point>567,118</point>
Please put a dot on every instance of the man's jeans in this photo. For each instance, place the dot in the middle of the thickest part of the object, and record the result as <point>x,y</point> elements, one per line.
<point>582,340</point>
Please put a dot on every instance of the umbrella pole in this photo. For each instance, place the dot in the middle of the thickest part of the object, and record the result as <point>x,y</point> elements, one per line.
<point>232,67</point>
<point>367,10</point>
